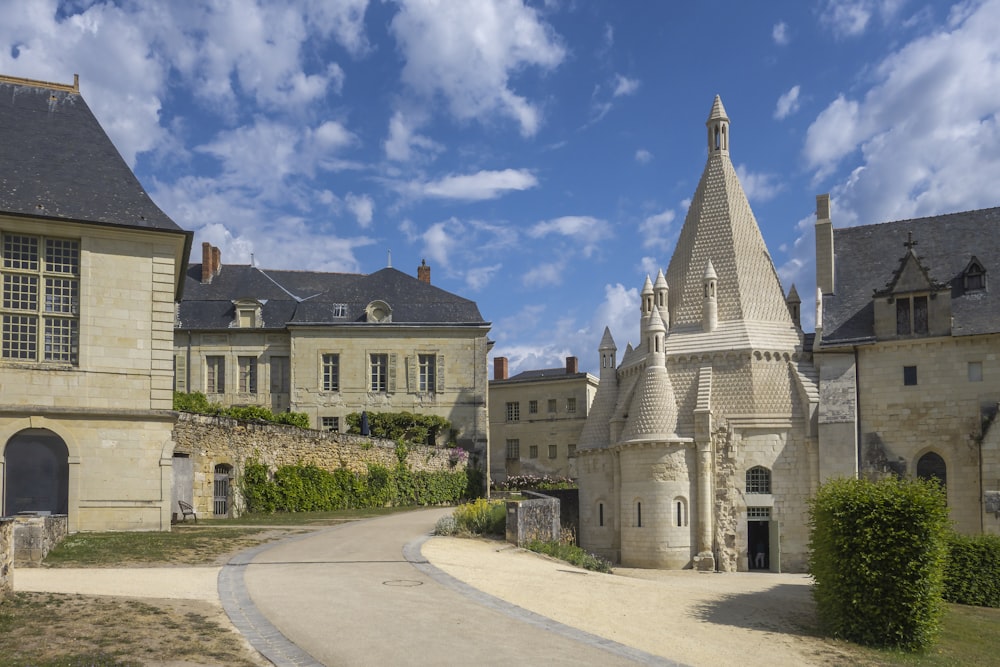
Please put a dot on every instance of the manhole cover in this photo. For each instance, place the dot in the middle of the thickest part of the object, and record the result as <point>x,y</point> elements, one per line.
<point>406,583</point>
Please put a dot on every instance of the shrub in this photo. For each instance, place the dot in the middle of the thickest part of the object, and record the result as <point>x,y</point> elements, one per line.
<point>446,525</point>
<point>535,482</point>
<point>482,517</point>
<point>972,575</point>
<point>877,553</point>
<point>571,554</point>
<point>401,426</point>
<point>198,403</point>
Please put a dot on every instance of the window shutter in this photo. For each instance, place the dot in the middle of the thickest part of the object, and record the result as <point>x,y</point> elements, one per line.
<point>411,374</point>
<point>392,372</point>
<point>180,373</point>
<point>440,374</point>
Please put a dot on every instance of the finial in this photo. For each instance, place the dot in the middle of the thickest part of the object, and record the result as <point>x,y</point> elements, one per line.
<point>909,241</point>
<point>389,265</point>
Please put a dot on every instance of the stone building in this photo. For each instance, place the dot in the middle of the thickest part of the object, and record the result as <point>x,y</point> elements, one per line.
<point>700,447</point>
<point>536,418</point>
<point>329,344</point>
<point>908,351</point>
<point>91,269</point>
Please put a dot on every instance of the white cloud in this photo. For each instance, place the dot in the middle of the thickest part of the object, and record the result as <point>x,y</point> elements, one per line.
<point>758,187</point>
<point>619,311</point>
<point>779,33</point>
<point>656,231</point>
<point>788,103</point>
<point>850,18</point>
<point>459,247</point>
<point>642,156</point>
<point>403,143</point>
<point>362,207</point>
<point>585,231</point>
<point>924,139</point>
<point>624,86</point>
<point>544,274</point>
<point>469,54</point>
<point>475,187</point>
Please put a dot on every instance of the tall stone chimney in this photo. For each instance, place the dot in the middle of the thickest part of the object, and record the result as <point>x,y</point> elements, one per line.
<point>572,366</point>
<point>499,368</point>
<point>424,272</point>
<point>211,262</point>
<point>824,245</point>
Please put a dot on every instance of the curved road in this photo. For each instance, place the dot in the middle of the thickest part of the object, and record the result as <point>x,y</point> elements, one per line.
<point>361,594</point>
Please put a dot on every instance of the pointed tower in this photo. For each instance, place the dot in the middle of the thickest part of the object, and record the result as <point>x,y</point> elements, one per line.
<point>597,431</point>
<point>653,415</point>
<point>721,225</point>
<point>661,294</point>
<point>794,306</point>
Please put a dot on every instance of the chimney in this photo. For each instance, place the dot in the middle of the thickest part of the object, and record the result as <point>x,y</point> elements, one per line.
<point>424,272</point>
<point>211,262</point>
<point>499,368</point>
<point>572,366</point>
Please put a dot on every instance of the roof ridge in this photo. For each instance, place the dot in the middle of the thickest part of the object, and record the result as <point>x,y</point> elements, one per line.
<point>38,83</point>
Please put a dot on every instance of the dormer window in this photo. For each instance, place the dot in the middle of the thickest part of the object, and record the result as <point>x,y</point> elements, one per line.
<point>974,276</point>
<point>378,311</point>
<point>247,314</point>
<point>340,310</point>
<point>911,315</point>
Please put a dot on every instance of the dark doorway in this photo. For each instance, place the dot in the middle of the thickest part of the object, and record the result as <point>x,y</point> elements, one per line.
<point>220,504</point>
<point>759,541</point>
<point>36,473</point>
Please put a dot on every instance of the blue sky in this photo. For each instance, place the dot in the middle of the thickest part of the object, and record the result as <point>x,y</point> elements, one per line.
<point>539,155</point>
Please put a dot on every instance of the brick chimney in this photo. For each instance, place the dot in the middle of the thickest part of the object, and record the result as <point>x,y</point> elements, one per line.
<point>499,368</point>
<point>424,272</point>
<point>572,366</point>
<point>211,262</point>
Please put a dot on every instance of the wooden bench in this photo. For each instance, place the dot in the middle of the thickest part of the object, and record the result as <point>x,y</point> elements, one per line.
<point>187,510</point>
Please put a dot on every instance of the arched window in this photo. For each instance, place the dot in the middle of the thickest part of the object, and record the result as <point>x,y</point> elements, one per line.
<point>932,466</point>
<point>681,512</point>
<point>638,515</point>
<point>758,480</point>
<point>37,473</point>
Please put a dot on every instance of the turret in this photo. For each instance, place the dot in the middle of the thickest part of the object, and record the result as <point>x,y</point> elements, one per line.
<point>718,129</point>
<point>646,305</point>
<point>710,309</point>
<point>608,351</point>
<point>661,292</point>
<point>794,306</point>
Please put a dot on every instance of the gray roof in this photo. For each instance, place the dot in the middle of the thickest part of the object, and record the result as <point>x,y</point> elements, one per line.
<point>57,162</point>
<point>867,258</point>
<point>291,298</point>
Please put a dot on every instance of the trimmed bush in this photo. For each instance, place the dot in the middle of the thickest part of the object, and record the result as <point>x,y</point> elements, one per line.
<point>877,555</point>
<point>401,426</point>
<point>972,575</point>
<point>198,403</point>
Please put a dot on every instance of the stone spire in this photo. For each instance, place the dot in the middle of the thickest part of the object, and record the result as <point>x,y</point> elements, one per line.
<point>721,225</point>
<point>652,416</point>
<point>597,430</point>
<point>661,293</point>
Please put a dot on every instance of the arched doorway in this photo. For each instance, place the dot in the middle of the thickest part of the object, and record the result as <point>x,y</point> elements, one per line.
<point>932,466</point>
<point>36,473</point>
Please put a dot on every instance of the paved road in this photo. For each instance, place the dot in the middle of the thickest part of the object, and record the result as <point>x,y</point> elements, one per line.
<point>361,594</point>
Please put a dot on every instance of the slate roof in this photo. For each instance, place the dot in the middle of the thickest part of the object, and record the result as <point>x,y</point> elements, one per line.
<point>57,162</point>
<point>867,257</point>
<point>302,298</point>
<point>542,374</point>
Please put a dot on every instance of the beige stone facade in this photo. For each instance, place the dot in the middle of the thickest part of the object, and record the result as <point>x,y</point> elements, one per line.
<point>91,273</point>
<point>536,418</point>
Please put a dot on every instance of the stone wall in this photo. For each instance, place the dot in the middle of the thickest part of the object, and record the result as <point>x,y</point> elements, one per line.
<point>211,441</point>
<point>534,519</point>
<point>6,556</point>
<point>35,536</point>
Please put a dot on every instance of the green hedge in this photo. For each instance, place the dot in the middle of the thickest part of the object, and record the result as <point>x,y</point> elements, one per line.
<point>401,426</point>
<point>198,403</point>
<point>877,555</point>
<point>972,575</point>
<point>308,488</point>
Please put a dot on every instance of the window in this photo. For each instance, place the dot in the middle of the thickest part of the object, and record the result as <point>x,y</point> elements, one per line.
<point>552,405</point>
<point>339,310</point>
<point>975,371</point>
<point>759,513</point>
<point>680,508</point>
<point>215,375</point>
<point>379,372</point>
<point>570,451</point>
<point>975,276</point>
<point>246,318</point>
<point>331,372</point>
<point>533,451</point>
<point>571,405</point>
<point>553,451</point>
<point>758,480</point>
<point>427,373</point>
<point>600,514</point>
<point>248,374</point>
<point>911,319</point>
<point>41,299</point>
<point>513,449</point>
<point>330,424</point>
<point>513,412</point>
<point>533,407</point>
<point>280,376</point>
<point>909,375</point>
<point>638,515</point>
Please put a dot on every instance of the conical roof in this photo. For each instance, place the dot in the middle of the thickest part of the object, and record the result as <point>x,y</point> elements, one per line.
<point>721,225</point>
<point>653,414</point>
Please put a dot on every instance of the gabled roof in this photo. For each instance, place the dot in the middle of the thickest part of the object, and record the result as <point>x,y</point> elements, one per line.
<point>57,162</point>
<point>302,298</point>
<point>865,262</point>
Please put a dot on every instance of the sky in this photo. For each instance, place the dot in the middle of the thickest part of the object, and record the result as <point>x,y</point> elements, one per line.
<point>539,155</point>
